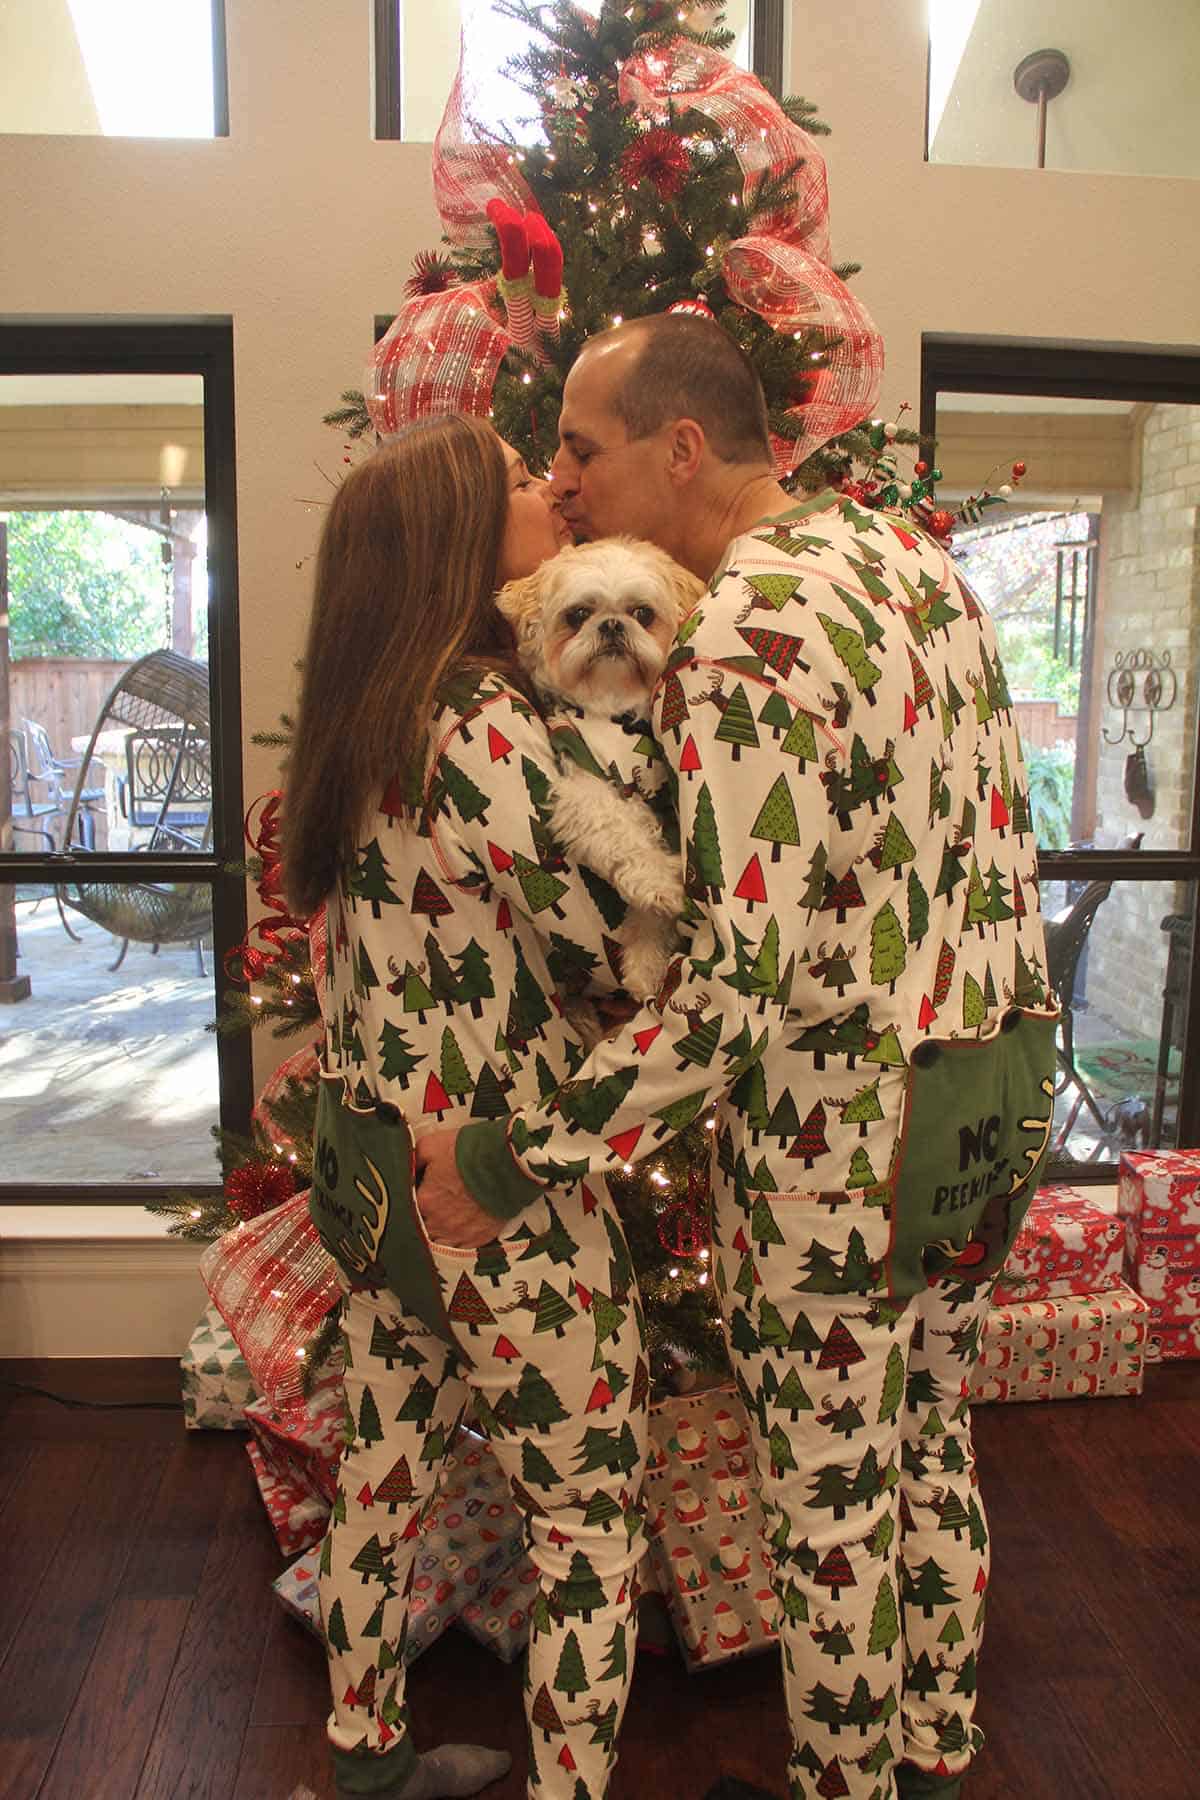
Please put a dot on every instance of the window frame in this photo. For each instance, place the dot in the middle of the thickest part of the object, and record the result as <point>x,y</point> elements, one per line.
<point>166,347</point>
<point>958,363</point>
<point>766,58</point>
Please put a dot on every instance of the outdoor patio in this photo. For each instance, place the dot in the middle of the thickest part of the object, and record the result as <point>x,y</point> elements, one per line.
<point>106,1076</point>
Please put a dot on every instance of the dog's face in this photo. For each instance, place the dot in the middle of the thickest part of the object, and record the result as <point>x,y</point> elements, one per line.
<point>597,623</point>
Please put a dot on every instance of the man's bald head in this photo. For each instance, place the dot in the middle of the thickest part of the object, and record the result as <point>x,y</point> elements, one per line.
<point>671,366</point>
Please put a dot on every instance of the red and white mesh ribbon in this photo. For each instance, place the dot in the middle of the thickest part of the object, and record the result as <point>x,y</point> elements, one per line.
<point>439,355</point>
<point>273,1281</point>
<point>472,166</point>
<point>780,269</point>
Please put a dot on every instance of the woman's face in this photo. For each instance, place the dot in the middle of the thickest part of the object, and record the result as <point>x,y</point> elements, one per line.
<point>535,530</point>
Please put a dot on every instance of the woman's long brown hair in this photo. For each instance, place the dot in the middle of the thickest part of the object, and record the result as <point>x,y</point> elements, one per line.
<point>406,573</point>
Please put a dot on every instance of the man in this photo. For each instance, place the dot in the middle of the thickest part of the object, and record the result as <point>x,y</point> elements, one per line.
<point>862,995</point>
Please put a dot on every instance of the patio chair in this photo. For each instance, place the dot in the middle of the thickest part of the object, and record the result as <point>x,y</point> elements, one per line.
<point>1065,940</point>
<point>163,697</point>
<point>60,774</point>
<point>30,816</point>
<point>168,785</point>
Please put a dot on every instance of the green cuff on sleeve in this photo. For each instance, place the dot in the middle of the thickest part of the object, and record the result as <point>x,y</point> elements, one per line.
<point>490,1174</point>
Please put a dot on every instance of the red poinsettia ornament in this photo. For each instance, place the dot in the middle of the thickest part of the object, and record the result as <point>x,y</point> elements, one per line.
<point>659,156</point>
<point>257,1187</point>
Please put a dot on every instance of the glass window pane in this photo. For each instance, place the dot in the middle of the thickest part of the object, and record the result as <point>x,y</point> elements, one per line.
<point>429,49</point>
<point>108,68</point>
<point>1092,575</point>
<point>107,1075</point>
<point>102,509</point>
<point>1119,953</point>
<point>1126,104</point>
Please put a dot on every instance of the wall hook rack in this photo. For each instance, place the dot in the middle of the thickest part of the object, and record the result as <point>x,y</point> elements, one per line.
<point>1155,693</point>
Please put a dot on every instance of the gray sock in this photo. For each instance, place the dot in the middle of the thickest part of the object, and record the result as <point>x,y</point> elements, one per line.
<point>453,1771</point>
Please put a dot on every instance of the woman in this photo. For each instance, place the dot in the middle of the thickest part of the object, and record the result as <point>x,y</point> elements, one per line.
<point>415,811</point>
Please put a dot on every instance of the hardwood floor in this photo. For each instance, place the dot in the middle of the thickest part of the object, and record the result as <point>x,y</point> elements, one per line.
<point>142,1656</point>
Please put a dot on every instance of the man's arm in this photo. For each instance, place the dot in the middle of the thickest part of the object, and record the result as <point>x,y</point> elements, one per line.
<point>753,824</point>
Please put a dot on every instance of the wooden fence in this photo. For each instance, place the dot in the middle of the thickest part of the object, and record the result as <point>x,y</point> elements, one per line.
<point>1042,725</point>
<point>63,694</point>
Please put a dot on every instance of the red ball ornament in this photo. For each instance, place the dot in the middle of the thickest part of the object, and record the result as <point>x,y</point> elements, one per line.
<point>941,523</point>
<point>920,468</point>
<point>258,1187</point>
<point>1018,469</point>
<point>659,156</point>
<point>697,309</point>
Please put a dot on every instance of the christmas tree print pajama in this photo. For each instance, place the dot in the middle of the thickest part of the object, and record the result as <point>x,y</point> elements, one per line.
<point>454,938</point>
<point>558,1381</point>
<point>863,1447</point>
<point>862,880</point>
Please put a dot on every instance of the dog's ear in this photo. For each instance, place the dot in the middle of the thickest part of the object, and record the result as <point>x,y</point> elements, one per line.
<point>521,604</point>
<point>685,588</point>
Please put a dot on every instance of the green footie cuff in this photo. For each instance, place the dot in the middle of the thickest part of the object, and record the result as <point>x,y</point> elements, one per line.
<point>358,1773</point>
<point>917,1784</point>
<point>490,1175</point>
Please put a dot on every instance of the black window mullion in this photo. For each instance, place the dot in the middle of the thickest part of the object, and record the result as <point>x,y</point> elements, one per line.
<point>147,347</point>
<point>957,364</point>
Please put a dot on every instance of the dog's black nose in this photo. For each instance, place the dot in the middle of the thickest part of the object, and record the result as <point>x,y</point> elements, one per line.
<point>611,628</point>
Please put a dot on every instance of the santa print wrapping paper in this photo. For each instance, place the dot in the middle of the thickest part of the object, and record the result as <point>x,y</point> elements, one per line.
<point>1158,1197</point>
<point>217,1386</point>
<point>1065,1246</point>
<point>1063,1349</point>
<point>304,1444</point>
<point>705,1527</point>
<point>297,1516</point>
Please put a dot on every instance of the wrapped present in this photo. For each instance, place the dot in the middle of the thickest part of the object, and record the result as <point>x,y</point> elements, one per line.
<point>1174,1343</point>
<point>217,1385</point>
<point>470,1536</point>
<point>1063,1349</point>
<point>704,1523</point>
<point>1066,1245</point>
<point>297,1516</point>
<point>296,1591</point>
<point>500,1618</point>
<point>1158,1197</point>
<point>305,1443</point>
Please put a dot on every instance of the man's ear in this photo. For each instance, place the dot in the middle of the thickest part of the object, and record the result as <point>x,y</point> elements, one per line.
<point>686,444</point>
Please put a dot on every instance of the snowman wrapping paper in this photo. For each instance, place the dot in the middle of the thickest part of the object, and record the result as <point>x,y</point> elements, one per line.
<point>1158,1197</point>
<point>1066,1245</point>
<point>704,1522</point>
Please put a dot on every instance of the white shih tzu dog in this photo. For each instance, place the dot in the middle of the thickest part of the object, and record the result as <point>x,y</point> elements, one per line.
<point>594,628</point>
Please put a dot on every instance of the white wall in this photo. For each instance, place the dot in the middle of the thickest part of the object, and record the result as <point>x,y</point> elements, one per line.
<point>302,229</point>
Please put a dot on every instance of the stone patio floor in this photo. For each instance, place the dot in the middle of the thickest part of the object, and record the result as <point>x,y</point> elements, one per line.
<point>106,1076</point>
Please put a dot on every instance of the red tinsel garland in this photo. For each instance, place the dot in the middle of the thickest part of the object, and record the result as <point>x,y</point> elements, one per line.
<point>256,1187</point>
<point>246,962</point>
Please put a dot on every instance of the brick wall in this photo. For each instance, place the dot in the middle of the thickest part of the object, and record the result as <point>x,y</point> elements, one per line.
<point>1150,581</point>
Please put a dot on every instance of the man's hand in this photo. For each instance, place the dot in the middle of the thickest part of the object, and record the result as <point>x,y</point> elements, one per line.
<point>451,1216</point>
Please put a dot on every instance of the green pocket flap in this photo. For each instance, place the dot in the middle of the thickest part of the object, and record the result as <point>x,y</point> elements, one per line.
<point>977,1123</point>
<point>363,1207</point>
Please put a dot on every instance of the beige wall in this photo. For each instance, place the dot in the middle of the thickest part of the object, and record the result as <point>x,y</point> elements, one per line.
<point>301,228</point>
